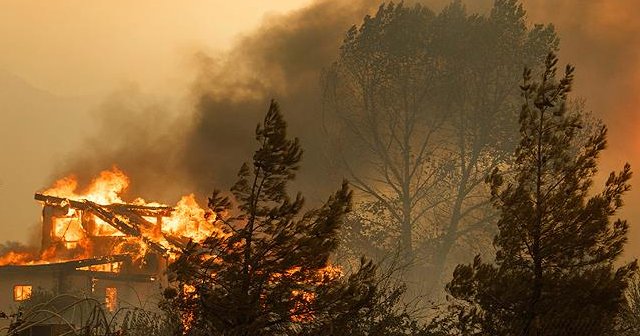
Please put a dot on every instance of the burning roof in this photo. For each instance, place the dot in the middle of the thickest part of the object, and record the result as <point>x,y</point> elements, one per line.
<point>95,222</point>
<point>128,219</point>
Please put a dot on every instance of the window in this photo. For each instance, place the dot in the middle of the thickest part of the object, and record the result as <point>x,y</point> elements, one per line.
<point>111,298</point>
<point>21,292</point>
<point>113,267</point>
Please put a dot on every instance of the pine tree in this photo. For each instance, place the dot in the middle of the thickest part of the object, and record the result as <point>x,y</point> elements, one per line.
<point>269,272</point>
<point>554,272</point>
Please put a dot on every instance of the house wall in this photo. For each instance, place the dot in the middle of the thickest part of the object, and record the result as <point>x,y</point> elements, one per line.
<point>131,290</point>
<point>45,280</point>
<point>129,293</point>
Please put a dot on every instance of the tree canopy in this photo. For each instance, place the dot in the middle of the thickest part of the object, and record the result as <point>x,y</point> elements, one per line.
<point>554,271</point>
<point>421,109</point>
<point>267,272</point>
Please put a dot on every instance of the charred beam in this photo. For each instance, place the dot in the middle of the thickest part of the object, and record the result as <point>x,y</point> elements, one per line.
<point>141,210</point>
<point>145,226</point>
<point>124,227</point>
<point>112,219</point>
<point>179,242</point>
<point>135,218</point>
<point>59,201</point>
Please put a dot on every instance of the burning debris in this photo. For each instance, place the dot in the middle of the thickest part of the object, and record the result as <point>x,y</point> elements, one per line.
<point>96,222</point>
<point>96,244</point>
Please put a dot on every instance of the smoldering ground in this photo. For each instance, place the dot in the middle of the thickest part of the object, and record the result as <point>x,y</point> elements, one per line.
<point>203,146</point>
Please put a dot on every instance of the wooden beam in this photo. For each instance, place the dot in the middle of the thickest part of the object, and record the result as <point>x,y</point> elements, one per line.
<point>111,214</point>
<point>122,226</point>
<point>141,210</point>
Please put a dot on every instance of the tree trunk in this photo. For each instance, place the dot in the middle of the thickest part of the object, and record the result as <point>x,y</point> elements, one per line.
<point>536,290</point>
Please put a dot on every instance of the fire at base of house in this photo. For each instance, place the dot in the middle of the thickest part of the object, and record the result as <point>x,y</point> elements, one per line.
<point>120,279</point>
<point>19,283</point>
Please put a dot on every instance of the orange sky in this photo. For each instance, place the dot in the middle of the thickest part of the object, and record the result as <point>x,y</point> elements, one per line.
<point>75,47</point>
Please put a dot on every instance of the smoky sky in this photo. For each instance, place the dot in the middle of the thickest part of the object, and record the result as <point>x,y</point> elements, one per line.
<point>199,145</point>
<point>203,147</point>
<point>602,39</point>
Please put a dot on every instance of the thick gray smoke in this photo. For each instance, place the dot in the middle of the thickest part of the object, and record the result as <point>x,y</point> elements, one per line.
<point>203,147</point>
<point>139,135</point>
<point>284,60</point>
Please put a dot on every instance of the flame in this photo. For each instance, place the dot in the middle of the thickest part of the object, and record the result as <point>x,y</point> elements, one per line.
<point>104,189</point>
<point>80,234</point>
<point>16,258</point>
<point>190,220</point>
<point>300,312</point>
<point>303,299</point>
<point>76,234</point>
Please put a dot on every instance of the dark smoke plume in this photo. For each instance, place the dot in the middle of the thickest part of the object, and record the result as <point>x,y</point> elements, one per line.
<point>205,144</point>
<point>167,155</point>
<point>282,60</point>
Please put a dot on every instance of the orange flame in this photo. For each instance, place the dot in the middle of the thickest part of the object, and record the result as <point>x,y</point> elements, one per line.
<point>79,234</point>
<point>74,233</point>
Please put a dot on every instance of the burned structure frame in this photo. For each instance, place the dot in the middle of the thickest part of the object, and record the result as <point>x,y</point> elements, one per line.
<point>121,278</point>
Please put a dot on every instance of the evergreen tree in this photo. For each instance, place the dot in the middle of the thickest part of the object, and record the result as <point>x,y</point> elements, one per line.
<point>268,273</point>
<point>554,272</point>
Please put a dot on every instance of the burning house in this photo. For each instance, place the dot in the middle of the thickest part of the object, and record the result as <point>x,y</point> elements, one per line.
<point>95,244</point>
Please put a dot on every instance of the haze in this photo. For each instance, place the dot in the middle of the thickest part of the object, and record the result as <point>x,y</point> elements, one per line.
<point>60,60</point>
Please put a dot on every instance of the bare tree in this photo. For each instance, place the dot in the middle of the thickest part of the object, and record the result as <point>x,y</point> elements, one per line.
<point>420,107</point>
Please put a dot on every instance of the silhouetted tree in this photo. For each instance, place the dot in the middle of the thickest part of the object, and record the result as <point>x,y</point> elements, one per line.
<point>268,272</point>
<point>423,108</point>
<point>554,272</point>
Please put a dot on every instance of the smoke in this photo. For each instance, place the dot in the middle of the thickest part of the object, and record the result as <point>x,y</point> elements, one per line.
<point>18,247</point>
<point>171,150</point>
<point>283,59</point>
<point>139,134</point>
<point>202,146</point>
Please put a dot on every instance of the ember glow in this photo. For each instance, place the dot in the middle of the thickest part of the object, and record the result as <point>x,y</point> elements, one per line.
<point>95,221</point>
<point>96,227</point>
